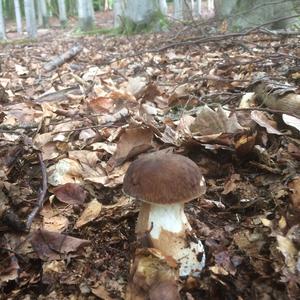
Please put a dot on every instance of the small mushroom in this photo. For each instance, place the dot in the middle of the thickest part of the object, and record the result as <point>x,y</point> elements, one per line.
<point>164,182</point>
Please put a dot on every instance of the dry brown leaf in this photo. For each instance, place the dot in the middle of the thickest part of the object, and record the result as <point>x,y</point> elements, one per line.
<point>70,193</point>
<point>137,86</point>
<point>90,213</point>
<point>294,185</point>
<point>288,250</point>
<point>291,121</point>
<point>102,105</point>
<point>53,219</point>
<point>230,185</point>
<point>209,122</point>
<point>65,171</point>
<point>101,292</point>
<point>131,143</point>
<point>53,245</point>
<point>264,121</point>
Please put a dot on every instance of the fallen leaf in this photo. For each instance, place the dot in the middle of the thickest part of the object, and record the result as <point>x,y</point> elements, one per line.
<point>90,213</point>
<point>101,292</point>
<point>54,246</point>
<point>70,193</point>
<point>65,171</point>
<point>291,121</point>
<point>288,250</point>
<point>209,121</point>
<point>131,143</point>
<point>264,121</point>
<point>294,185</point>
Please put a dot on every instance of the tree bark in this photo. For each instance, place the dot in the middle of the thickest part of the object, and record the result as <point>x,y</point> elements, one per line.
<point>2,23</point>
<point>245,14</point>
<point>45,15</point>
<point>18,16</point>
<point>85,15</point>
<point>31,27</point>
<point>62,13</point>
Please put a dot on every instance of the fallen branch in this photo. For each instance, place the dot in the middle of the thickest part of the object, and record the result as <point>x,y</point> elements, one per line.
<point>42,194</point>
<point>105,121</point>
<point>61,59</point>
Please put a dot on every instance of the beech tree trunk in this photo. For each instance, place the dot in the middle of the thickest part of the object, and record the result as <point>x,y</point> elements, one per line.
<point>31,27</point>
<point>183,9</point>
<point>245,14</point>
<point>85,15</point>
<point>2,24</point>
<point>18,16</point>
<point>45,15</point>
<point>118,12</point>
<point>163,6</point>
<point>62,13</point>
<point>198,8</point>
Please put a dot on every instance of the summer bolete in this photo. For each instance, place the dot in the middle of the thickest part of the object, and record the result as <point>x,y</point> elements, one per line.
<point>164,182</point>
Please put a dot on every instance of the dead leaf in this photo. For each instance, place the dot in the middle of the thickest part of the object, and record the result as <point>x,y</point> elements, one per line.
<point>70,193</point>
<point>230,185</point>
<point>137,86</point>
<point>55,246</point>
<point>291,121</point>
<point>263,120</point>
<point>131,143</point>
<point>90,213</point>
<point>53,219</point>
<point>288,250</point>
<point>294,185</point>
<point>209,122</point>
<point>65,171</point>
<point>101,292</point>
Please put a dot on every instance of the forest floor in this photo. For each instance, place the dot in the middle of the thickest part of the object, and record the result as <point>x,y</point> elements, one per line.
<point>67,137</point>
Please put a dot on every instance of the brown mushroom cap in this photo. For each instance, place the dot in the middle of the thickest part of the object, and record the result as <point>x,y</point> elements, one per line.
<point>164,178</point>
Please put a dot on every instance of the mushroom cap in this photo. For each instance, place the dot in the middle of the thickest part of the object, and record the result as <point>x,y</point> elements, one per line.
<point>164,178</point>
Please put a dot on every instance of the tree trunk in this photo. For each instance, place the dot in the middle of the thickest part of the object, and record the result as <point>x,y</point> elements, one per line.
<point>210,5</point>
<point>91,9</point>
<point>163,6</point>
<point>39,13</point>
<point>2,24</point>
<point>245,14</point>
<point>141,11</point>
<point>45,15</point>
<point>118,12</point>
<point>18,16</point>
<point>85,15</point>
<point>30,18</point>
<point>183,9</point>
<point>141,15</point>
<point>178,9</point>
<point>62,13</point>
<point>198,8</point>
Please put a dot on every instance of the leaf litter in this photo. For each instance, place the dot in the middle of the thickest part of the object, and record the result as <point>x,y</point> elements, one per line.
<point>233,109</point>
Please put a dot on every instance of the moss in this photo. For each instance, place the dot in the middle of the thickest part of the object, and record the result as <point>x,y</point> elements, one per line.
<point>18,41</point>
<point>97,31</point>
<point>155,22</point>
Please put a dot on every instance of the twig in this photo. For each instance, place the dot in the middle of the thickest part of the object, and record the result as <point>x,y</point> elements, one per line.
<point>61,59</point>
<point>205,39</point>
<point>105,121</point>
<point>42,194</point>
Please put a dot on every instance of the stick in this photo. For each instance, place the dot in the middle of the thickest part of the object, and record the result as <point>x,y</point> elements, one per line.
<point>61,59</point>
<point>42,194</point>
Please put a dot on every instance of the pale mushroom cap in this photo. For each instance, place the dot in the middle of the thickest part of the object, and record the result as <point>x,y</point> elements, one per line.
<point>164,178</point>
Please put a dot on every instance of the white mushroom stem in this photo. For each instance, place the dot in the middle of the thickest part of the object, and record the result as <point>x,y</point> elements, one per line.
<point>170,232</point>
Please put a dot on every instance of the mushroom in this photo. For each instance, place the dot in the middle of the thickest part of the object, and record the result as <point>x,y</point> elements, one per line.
<point>164,182</point>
